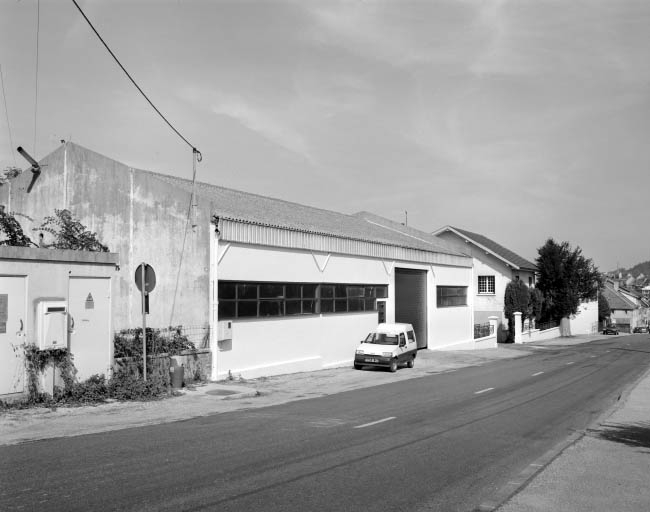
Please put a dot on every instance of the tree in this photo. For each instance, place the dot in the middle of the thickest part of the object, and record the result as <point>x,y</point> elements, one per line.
<point>69,233</point>
<point>566,278</point>
<point>13,231</point>
<point>603,307</point>
<point>535,304</point>
<point>516,298</point>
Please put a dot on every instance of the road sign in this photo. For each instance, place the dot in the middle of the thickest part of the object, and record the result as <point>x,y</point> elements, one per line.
<point>149,278</point>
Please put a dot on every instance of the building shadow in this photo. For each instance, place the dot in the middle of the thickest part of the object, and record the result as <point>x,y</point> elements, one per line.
<point>636,434</point>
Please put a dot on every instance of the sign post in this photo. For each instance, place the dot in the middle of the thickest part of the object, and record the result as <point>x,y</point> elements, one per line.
<point>145,280</point>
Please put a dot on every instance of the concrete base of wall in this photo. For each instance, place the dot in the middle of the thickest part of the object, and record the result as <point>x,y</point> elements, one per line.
<point>309,364</point>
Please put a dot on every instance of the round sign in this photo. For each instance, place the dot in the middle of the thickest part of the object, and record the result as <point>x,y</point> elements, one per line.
<point>149,278</point>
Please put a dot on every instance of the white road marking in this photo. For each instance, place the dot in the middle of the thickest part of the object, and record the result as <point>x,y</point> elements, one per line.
<point>570,363</point>
<point>375,422</point>
<point>538,465</point>
<point>536,374</point>
<point>483,391</point>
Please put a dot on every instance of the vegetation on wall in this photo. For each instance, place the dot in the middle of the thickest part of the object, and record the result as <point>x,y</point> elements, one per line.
<point>171,341</point>
<point>566,278</point>
<point>12,232</point>
<point>69,233</point>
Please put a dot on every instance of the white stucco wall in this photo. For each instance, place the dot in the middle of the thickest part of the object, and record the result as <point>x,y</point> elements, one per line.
<point>290,344</point>
<point>585,321</point>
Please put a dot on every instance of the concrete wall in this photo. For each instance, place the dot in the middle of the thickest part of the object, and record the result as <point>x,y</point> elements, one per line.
<point>136,215</point>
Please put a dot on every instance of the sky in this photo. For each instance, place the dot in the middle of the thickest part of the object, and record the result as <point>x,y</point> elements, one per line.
<point>519,120</point>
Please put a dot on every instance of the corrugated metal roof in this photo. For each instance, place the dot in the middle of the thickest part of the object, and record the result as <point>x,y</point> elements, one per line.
<point>278,213</point>
<point>490,245</point>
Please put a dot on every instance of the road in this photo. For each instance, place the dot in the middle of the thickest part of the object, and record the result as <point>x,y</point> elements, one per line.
<point>446,442</point>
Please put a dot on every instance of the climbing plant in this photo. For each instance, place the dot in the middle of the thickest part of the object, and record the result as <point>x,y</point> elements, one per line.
<point>69,233</point>
<point>12,232</point>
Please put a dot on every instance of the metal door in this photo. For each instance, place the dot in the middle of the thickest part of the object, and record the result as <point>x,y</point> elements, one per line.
<point>89,306</point>
<point>411,301</point>
<point>13,308</point>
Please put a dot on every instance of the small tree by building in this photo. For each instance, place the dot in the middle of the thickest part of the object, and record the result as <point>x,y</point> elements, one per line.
<point>603,308</point>
<point>535,304</point>
<point>566,278</point>
<point>516,298</point>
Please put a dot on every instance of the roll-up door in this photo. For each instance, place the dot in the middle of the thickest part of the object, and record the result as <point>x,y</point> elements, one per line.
<point>411,301</point>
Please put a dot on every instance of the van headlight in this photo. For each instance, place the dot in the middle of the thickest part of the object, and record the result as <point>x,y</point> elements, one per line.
<point>359,352</point>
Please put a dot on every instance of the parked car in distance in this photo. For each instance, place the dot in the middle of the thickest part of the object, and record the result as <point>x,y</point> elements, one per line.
<point>640,329</point>
<point>610,330</point>
<point>389,345</point>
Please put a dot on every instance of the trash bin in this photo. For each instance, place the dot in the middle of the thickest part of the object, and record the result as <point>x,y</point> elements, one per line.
<point>177,373</point>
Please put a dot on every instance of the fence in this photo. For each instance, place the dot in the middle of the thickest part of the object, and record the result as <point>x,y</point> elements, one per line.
<point>177,345</point>
<point>482,330</point>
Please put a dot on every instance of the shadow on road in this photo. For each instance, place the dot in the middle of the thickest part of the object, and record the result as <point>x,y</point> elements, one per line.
<point>635,434</point>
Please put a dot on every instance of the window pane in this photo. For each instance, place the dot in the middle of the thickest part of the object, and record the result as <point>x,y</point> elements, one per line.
<point>371,304</point>
<point>246,291</point>
<point>340,305</point>
<point>293,291</point>
<point>327,291</point>
<point>326,306</point>
<point>382,292</point>
<point>309,291</point>
<point>355,291</point>
<point>355,304</point>
<point>271,290</point>
<point>247,308</point>
<point>294,307</point>
<point>340,291</point>
<point>271,308</point>
<point>226,309</point>
<point>227,290</point>
<point>370,291</point>
<point>308,307</point>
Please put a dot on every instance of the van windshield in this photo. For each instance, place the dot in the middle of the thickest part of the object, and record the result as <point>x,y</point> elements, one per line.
<point>381,338</point>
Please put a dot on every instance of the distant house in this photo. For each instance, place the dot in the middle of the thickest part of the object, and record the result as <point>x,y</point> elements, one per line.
<point>628,309</point>
<point>494,267</point>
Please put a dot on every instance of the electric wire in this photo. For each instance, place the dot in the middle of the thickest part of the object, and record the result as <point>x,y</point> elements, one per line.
<point>4,97</point>
<point>194,150</point>
<point>38,30</point>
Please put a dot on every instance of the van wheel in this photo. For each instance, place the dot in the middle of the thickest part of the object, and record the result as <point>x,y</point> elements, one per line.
<point>357,366</point>
<point>411,362</point>
<point>393,366</point>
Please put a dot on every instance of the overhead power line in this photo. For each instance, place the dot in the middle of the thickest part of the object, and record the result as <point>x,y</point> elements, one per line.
<point>38,31</point>
<point>194,150</point>
<point>4,96</point>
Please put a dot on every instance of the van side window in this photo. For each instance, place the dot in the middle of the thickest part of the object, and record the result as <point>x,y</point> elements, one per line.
<point>402,338</point>
<point>410,335</point>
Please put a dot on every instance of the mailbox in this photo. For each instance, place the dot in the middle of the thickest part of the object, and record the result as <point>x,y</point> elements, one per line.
<point>52,324</point>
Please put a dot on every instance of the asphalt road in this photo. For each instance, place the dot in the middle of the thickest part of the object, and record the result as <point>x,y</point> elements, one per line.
<point>446,442</point>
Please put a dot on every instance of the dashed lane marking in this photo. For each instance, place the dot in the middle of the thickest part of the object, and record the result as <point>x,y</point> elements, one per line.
<point>536,374</point>
<point>375,422</point>
<point>483,391</point>
<point>570,362</point>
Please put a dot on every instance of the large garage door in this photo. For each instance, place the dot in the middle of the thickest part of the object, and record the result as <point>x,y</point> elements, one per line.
<point>411,301</point>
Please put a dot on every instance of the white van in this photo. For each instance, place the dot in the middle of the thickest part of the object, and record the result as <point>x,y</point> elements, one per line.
<point>388,345</point>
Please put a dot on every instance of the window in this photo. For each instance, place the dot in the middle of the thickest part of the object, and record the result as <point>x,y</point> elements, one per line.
<point>486,285</point>
<point>450,296</point>
<point>252,300</point>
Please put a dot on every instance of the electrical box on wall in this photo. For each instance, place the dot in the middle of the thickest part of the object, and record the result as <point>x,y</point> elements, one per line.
<point>52,324</point>
<point>224,330</point>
